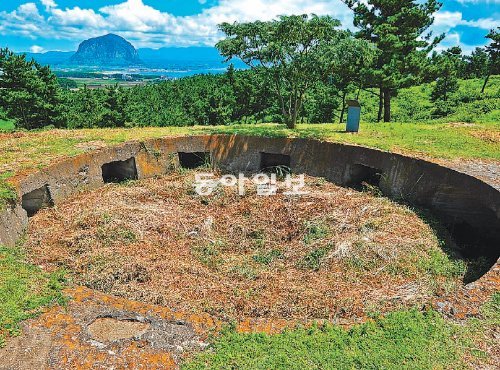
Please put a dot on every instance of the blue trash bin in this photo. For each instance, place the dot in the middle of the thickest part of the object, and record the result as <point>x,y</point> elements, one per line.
<point>353,116</point>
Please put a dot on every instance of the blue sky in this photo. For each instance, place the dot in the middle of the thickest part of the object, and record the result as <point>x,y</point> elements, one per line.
<point>42,25</point>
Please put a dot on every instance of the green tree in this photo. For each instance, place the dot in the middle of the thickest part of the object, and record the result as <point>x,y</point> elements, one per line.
<point>446,70</point>
<point>477,64</point>
<point>399,30</point>
<point>319,107</point>
<point>290,51</point>
<point>113,108</point>
<point>493,50</point>
<point>29,92</point>
<point>82,108</point>
<point>251,93</point>
<point>67,83</point>
<point>350,61</point>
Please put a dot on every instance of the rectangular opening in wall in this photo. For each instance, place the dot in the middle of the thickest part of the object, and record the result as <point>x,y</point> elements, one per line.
<point>119,171</point>
<point>361,175</point>
<point>271,162</point>
<point>194,159</point>
<point>37,199</point>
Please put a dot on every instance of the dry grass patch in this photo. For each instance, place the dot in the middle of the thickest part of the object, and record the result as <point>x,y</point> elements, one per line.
<point>334,253</point>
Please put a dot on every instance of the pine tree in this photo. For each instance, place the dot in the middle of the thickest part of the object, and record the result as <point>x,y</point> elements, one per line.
<point>493,51</point>
<point>29,92</point>
<point>477,64</point>
<point>446,71</point>
<point>399,30</point>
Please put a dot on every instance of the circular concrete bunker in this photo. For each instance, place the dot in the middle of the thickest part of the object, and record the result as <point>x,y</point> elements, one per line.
<point>468,207</point>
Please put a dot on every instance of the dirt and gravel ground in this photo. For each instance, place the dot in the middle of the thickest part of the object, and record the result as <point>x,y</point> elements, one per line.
<point>332,254</point>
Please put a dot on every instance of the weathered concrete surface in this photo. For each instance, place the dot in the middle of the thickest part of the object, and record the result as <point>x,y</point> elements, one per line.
<point>487,171</point>
<point>110,329</point>
<point>13,221</point>
<point>62,337</point>
<point>467,205</point>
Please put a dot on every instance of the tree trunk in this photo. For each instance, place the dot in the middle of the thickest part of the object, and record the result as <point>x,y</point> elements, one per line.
<point>292,123</point>
<point>387,105</point>
<point>485,83</point>
<point>380,105</point>
<point>342,112</point>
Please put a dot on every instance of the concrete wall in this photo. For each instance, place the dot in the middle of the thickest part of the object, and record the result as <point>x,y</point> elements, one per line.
<point>468,206</point>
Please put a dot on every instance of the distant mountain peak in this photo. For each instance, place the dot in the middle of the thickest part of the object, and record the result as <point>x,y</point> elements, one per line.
<point>107,50</point>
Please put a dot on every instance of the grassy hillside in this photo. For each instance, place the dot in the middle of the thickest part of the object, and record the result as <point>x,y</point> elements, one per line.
<point>414,104</point>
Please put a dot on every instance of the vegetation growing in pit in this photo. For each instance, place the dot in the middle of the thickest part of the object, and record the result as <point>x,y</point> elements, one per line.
<point>24,290</point>
<point>234,257</point>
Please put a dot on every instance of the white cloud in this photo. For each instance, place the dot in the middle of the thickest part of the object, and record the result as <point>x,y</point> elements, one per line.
<point>451,39</point>
<point>135,16</point>
<point>28,10</point>
<point>24,21</point>
<point>484,23</point>
<point>48,4</point>
<point>77,17</point>
<point>146,26</point>
<point>37,49</point>
<point>445,22</point>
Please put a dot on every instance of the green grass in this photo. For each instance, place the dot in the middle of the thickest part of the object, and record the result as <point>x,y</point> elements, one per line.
<point>401,340</point>
<point>268,257</point>
<point>7,192</point>
<point>413,104</point>
<point>24,291</point>
<point>6,125</point>
<point>315,231</point>
<point>438,140</point>
<point>312,260</point>
<point>440,264</point>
